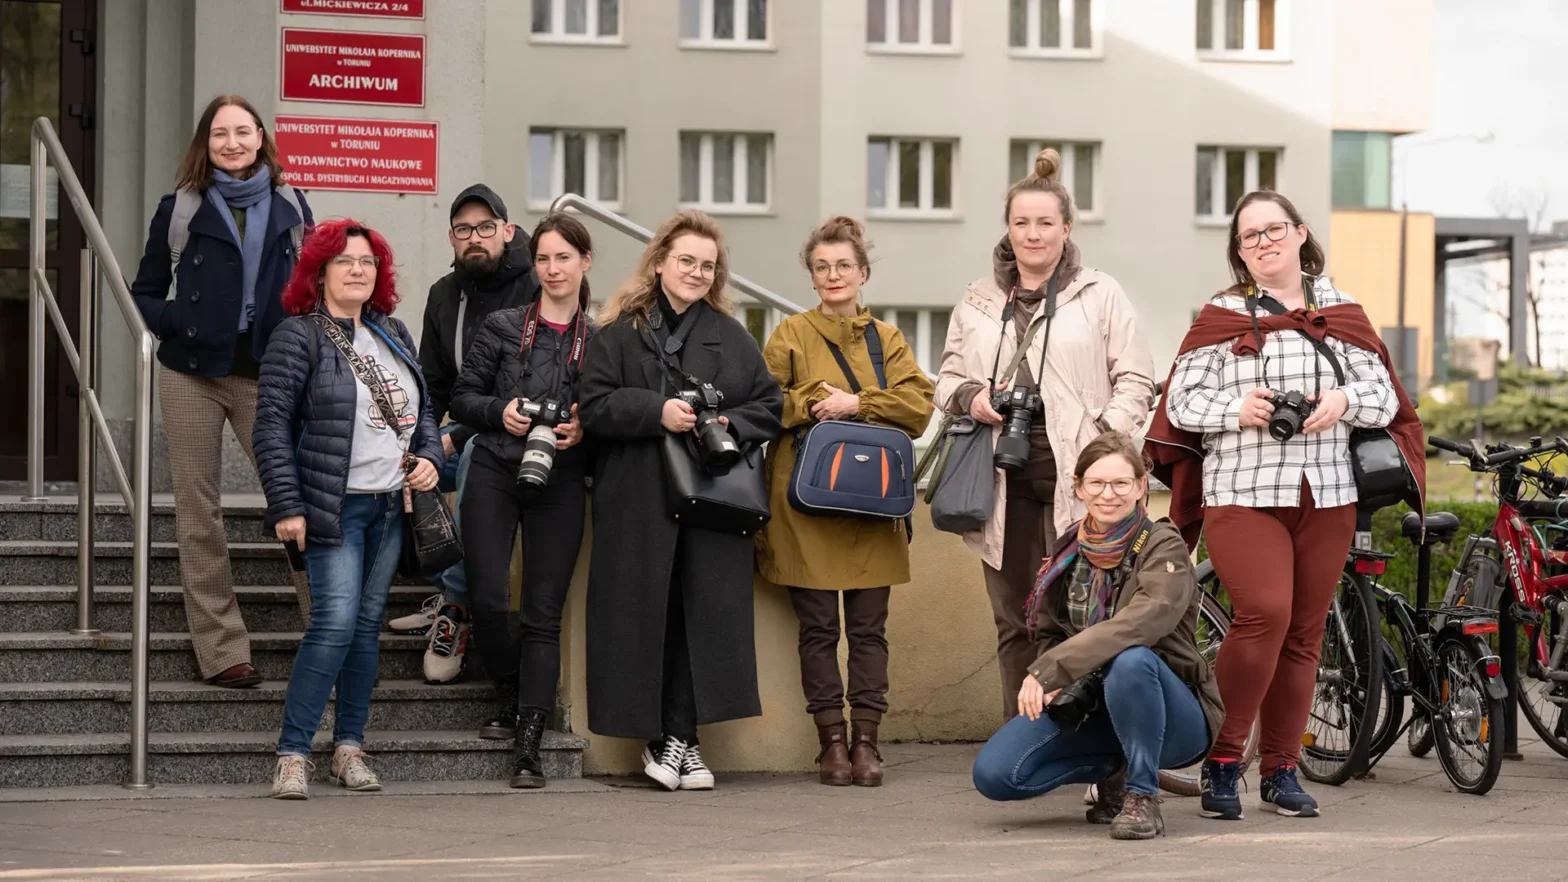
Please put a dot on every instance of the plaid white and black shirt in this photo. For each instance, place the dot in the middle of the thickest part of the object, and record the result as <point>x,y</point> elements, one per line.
<point>1248,467</point>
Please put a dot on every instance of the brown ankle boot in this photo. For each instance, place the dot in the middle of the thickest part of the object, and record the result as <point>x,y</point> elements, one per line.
<point>864,756</point>
<point>833,762</point>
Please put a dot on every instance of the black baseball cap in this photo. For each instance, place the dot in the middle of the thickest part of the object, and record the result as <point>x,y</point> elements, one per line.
<point>480,193</point>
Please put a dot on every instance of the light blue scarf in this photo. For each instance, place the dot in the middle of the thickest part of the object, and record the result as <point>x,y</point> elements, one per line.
<point>254,195</point>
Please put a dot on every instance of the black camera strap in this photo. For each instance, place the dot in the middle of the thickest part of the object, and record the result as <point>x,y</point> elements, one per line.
<point>1046,315</point>
<point>672,342</point>
<point>1274,307</point>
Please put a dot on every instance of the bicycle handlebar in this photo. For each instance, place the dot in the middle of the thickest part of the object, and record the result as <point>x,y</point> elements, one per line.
<point>1501,454</point>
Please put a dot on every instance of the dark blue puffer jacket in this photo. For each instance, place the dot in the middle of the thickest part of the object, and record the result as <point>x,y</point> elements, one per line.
<point>305,421</point>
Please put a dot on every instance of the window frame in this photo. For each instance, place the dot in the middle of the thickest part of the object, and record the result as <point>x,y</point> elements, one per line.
<point>1249,34</point>
<point>921,342</point>
<point>923,45</point>
<point>1249,178</point>
<point>927,180</point>
<point>705,39</point>
<point>590,162</point>
<point>1032,148</point>
<point>1387,150</point>
<point>557,34</point>
<point>705,201</point>
<point>1032,48</point>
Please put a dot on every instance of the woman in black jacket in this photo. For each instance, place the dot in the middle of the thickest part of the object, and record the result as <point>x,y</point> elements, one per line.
<point>669,619</point>
<point>334,467</point>
<point>518,389</point>
<point>225,242</point>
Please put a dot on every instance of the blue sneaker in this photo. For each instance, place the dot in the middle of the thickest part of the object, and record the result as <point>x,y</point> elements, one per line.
<point>1284,793</point>
<point>1218,783</point>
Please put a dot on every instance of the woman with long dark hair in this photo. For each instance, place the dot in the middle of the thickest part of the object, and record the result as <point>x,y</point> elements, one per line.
<point>343,425</point>
<point>518,389</point>
<point>223,245</point>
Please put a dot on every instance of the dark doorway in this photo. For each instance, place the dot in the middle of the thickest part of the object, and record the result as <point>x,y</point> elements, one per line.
<point>47,68</point>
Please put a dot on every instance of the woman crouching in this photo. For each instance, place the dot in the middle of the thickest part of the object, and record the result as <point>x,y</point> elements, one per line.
<point>1120,690</point>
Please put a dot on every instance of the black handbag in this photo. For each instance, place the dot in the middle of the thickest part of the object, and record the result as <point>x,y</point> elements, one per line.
<point>731,500</point>
<point>430,543</point>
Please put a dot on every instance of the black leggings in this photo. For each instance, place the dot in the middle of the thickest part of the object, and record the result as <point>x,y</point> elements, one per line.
<point>552,521</point>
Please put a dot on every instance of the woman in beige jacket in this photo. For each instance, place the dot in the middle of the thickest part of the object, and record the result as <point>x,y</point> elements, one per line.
<point>1090,366</point>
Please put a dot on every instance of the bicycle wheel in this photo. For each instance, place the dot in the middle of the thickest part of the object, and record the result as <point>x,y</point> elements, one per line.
<point>1391,713</point>
<point>1213,624</point>
<point>1419,739</point>
<point>1469,734</point>
<point>1349,686</point>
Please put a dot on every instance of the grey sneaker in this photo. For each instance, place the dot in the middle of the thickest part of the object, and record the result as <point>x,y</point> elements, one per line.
<point>448,643</point>
<point>350,771</point>
<point>291,780</point>
<point>418,623</point>
<point>1139,818</point>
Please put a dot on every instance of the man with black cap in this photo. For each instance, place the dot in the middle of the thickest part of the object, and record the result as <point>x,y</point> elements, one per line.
<point>491,271</point>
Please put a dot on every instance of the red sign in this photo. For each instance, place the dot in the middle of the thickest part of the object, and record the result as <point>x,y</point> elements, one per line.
<point>364,155</point>
<point>368,8</point>
<point>353,67</point>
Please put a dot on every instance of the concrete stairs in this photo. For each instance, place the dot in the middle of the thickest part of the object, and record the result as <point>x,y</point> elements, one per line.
<point>65,698</point>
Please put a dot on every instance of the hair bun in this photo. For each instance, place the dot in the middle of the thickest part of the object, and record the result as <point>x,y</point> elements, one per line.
<point>1048,165</point>
<point>843,226</point>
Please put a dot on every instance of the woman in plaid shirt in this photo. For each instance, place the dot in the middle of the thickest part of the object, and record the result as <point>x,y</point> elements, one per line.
<point>1278,516</point>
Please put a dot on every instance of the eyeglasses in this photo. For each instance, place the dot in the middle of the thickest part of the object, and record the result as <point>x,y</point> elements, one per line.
<point>690,266</point>
<point>368,262</point>
<point>1272,232</point>
<point>466,231</point>
<point>1120,486</point>
<point>843,267</point>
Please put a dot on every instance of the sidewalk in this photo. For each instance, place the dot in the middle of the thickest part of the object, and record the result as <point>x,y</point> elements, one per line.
<point>927,822</point>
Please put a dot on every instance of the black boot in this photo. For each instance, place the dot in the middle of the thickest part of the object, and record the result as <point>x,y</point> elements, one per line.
<point>504,724</point>
<point>527,768</point>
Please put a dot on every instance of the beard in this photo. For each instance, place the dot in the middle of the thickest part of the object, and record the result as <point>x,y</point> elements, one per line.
<point>478,263</point>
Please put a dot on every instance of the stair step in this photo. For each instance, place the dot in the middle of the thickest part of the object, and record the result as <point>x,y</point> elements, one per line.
<point>83,707</point>
<point>34,608</point>
<point>40,562</point>
<point>249,757</point>
<point>56,520</point>
<point>59,657</point>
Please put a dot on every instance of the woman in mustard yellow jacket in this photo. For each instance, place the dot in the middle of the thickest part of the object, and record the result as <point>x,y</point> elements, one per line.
<point>818,558</point>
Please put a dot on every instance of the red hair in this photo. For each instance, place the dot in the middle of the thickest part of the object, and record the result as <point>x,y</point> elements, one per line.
<point>325,241</point>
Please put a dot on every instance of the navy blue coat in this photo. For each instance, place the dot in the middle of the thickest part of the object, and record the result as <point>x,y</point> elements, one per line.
<point>197,328</point>
<point>304,430</point>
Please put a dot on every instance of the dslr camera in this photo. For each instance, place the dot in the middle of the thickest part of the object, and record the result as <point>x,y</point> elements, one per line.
<point>539,446</point>
<point>716,448</point>
<point>1072,705</point>
<point>1291,409</point>
<point>1017,406</point>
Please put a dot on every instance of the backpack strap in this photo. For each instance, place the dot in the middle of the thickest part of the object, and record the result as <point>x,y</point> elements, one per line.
<point>186,203</point>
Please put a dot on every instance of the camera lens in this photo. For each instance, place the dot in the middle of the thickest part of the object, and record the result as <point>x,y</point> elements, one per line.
<point>538,457</point>
<point>718,448</point>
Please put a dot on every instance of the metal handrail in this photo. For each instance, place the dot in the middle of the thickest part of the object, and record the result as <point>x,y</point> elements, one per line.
<point>98,263</point>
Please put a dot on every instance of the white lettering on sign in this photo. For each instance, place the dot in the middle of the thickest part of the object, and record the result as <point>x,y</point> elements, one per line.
<point>353,6</point>
<point>344,81</point>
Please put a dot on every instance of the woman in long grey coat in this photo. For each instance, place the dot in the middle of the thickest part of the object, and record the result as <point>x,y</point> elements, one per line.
<point>670,642</point>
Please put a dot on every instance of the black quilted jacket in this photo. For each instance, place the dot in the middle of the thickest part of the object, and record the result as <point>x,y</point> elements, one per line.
<point>305,421</point>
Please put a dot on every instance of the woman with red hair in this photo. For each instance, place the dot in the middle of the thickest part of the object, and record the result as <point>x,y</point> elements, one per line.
<point>342,425</point>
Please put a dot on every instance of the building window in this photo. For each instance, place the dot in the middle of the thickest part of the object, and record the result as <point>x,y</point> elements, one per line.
<point>1225,174</point>
<point>924,329</point>
<point>1246,30</point>
<point>1080,170</point>
<point>725,23</point>
<point>1363,169</point>
<point>579,161</point>
<point>577,21</point>
<point>759,321</point>
<point>726,172</point>
<point>911,176</point>
<point>1058,28</point>
<point>910,25</point>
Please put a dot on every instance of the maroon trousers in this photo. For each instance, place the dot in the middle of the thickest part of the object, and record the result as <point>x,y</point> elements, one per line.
<point>1281,568</point>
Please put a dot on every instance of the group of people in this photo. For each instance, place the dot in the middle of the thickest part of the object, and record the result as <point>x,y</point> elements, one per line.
<point>519,398</point>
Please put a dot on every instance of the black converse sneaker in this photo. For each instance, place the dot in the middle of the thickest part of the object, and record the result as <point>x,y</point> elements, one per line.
<point>694,772</point>
<point>662,761</point>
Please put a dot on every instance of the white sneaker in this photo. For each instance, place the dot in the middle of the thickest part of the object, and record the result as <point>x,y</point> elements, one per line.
<point>694,772</point>
<point>664,767</point>
<point>291,779</point>
<point>351,772</point>
<point>448,642</point>
<point>418,623</point>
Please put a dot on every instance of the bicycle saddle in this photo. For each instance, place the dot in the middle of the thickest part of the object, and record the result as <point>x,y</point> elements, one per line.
<point>1441,527</point>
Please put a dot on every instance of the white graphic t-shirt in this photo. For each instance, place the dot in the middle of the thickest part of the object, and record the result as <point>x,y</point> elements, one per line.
<point>375,465</point>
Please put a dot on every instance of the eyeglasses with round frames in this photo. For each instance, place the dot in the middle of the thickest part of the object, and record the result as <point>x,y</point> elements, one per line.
<point>689,265</point>
<point>843,267</point>
<point>1273,232</point>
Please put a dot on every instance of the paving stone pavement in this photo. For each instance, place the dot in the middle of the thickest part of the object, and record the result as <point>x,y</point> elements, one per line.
<point>927,822</point>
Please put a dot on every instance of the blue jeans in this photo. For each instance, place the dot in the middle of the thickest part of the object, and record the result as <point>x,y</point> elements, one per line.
<point>453,581</point>
<point>1149,716</point>
<point>348,593</point>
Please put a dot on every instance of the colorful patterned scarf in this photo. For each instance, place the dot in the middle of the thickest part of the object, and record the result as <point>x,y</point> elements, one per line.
<point>1088,599</point>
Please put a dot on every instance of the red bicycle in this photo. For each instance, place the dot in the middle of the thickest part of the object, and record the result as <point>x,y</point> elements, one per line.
<point>1523,561</point>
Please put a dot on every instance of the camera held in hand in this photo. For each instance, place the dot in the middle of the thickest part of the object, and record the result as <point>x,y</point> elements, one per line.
<point>1072,705</point>
<point>716,448</point>
<point>1018,407</point>
<point>1291,409</point>
<point>539,447</point>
